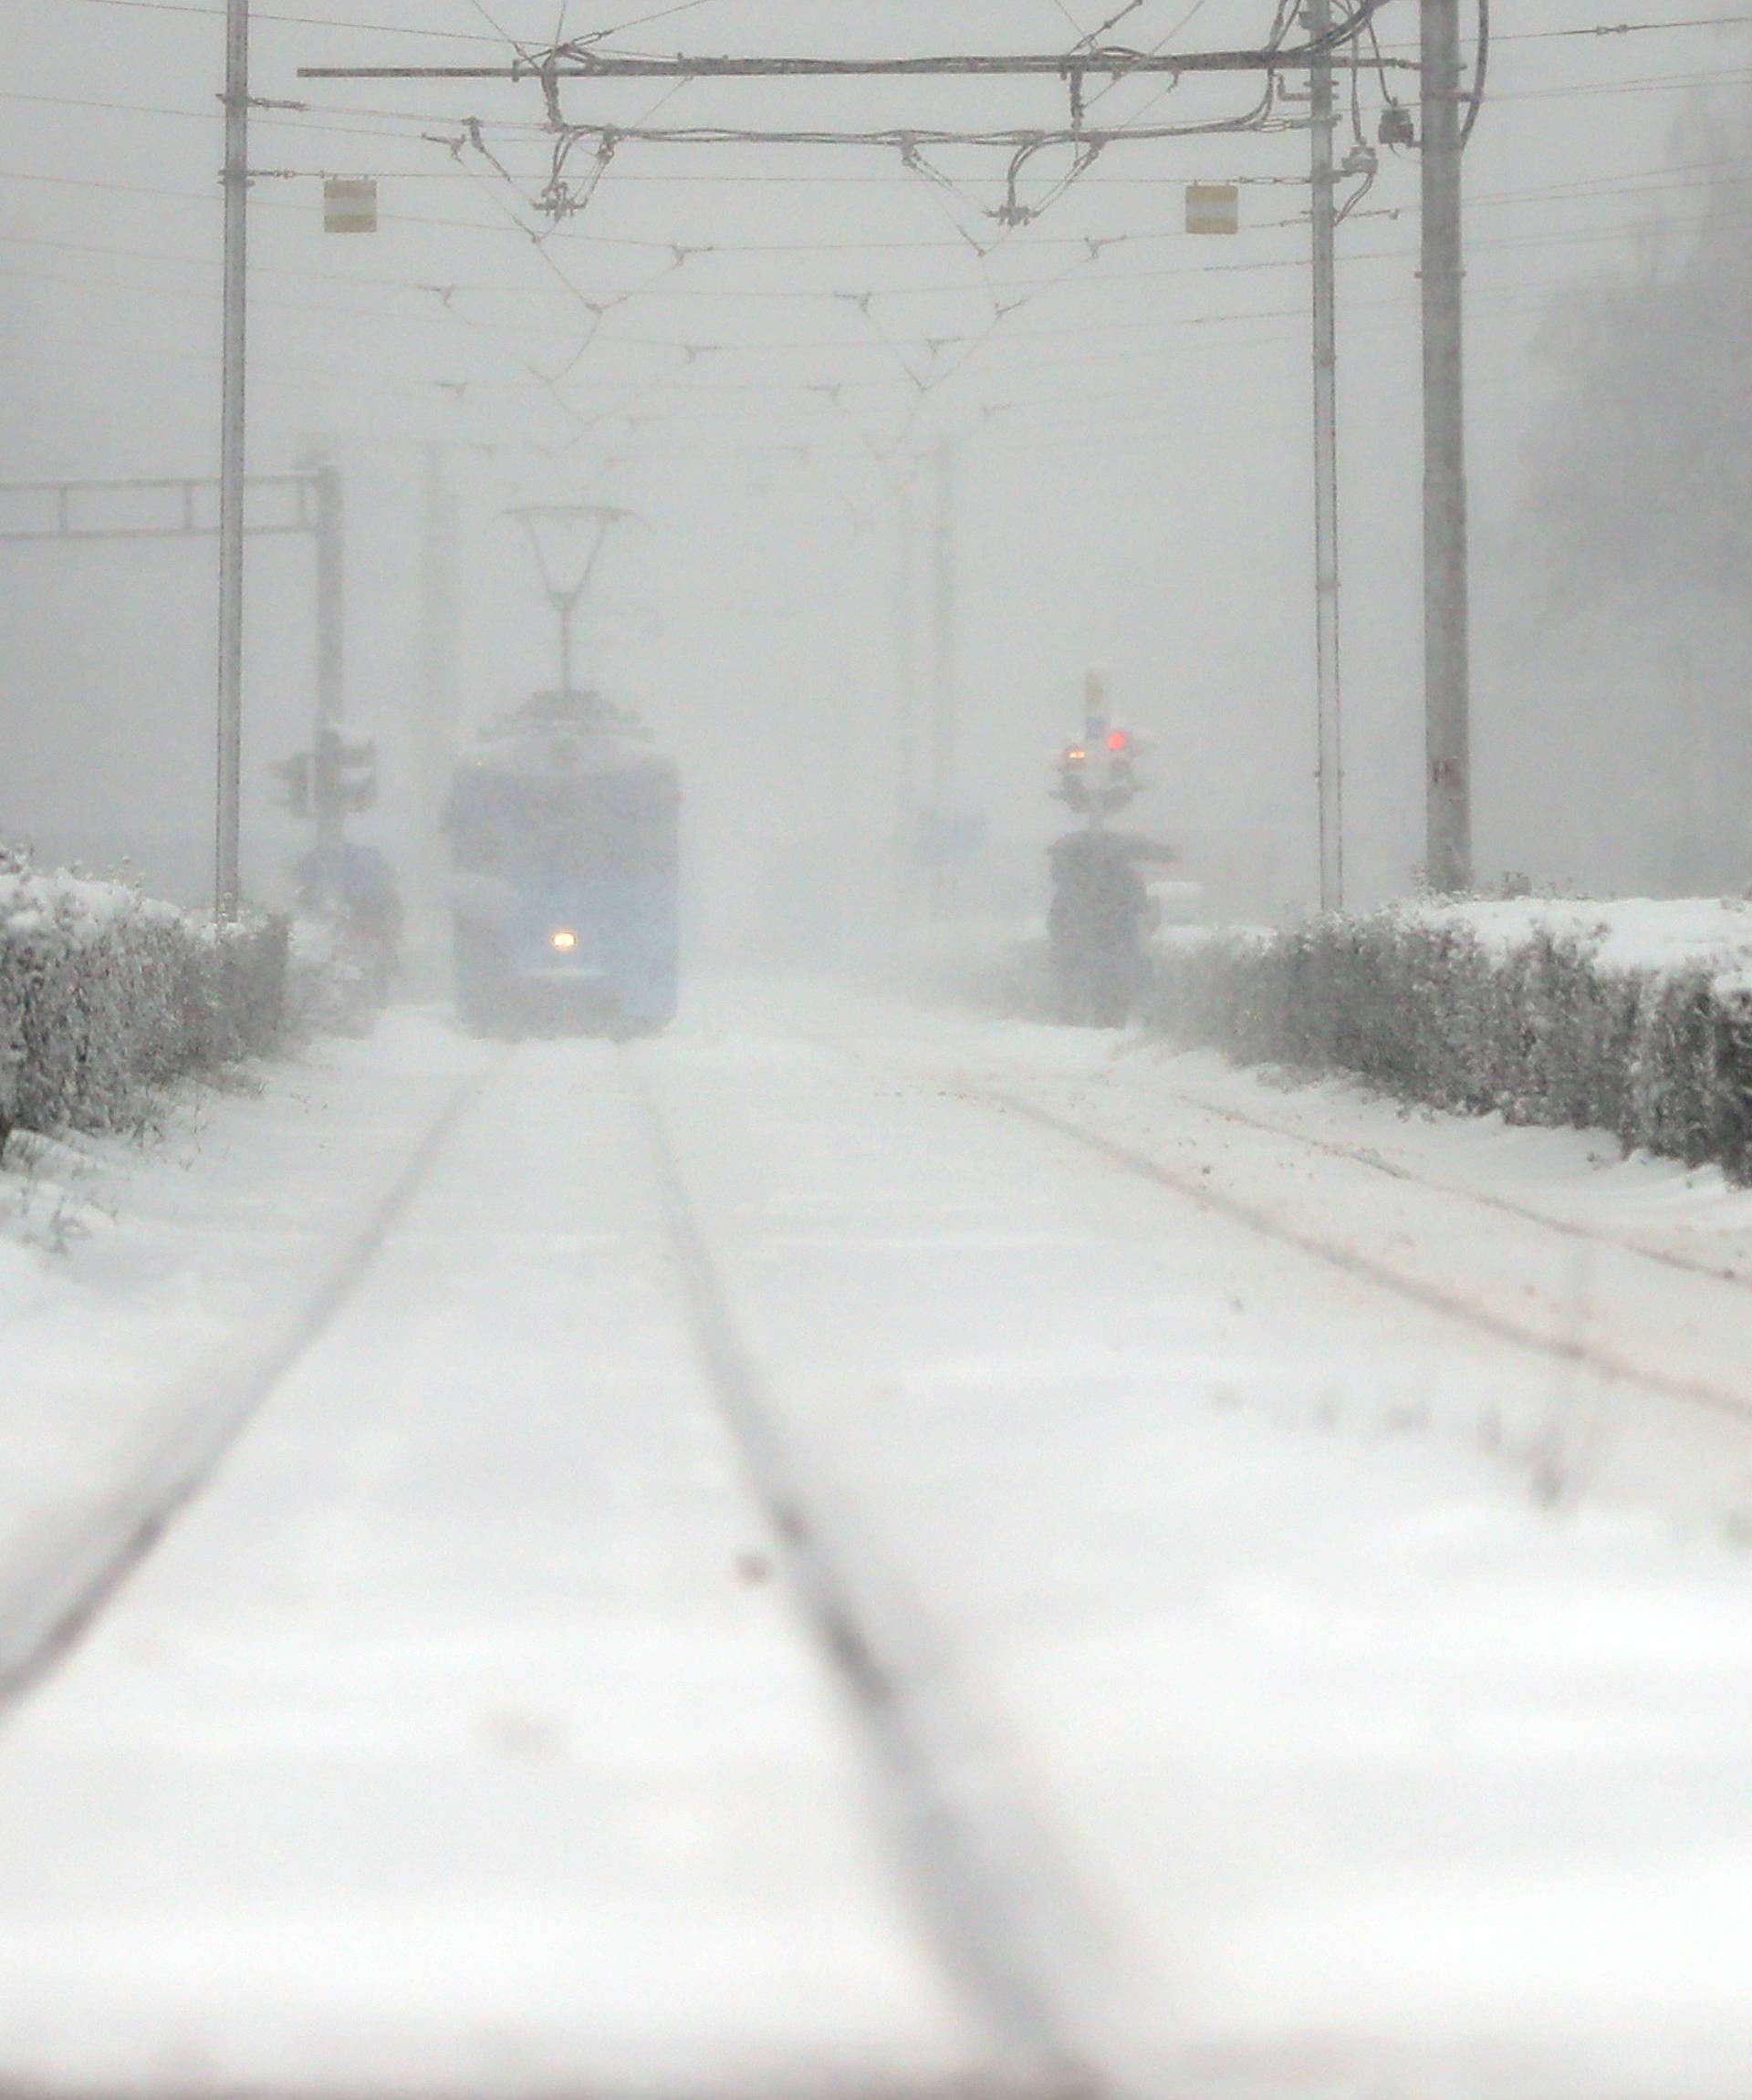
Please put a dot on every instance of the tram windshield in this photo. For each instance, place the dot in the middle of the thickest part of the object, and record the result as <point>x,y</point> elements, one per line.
<point>600,823</point>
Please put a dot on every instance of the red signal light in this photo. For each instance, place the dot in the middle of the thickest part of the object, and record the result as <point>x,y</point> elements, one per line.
<point>1118,742</point>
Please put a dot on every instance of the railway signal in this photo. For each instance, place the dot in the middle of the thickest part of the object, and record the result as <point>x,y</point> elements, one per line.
<point>1097,774</point>
<point>336,779</point>
<point>346,773</point>
<point>295,773</point>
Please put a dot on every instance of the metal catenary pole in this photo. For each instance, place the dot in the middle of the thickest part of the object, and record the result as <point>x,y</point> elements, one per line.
<point>232,463</point>
<point>438,682</point>
<point>1446,647</point>
<point>942,723</point>
<point>330,812</point>
<point>903,613</point>
<point>1328,716</point>
<point>944,680</point>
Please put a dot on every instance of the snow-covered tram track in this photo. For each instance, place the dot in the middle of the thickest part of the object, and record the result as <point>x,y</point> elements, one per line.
<point>1368,1157</point>
<point>980,1869</point>
<point>1545,1330</point>
<point>1158,1474</point>
<point>46,1611</point>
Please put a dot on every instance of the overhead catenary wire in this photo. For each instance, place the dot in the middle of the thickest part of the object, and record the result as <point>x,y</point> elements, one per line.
<point>204,7</point>
<point>1003,307</point>
<point>828,293</point>
<point>498,28</point>
<point>302,21</point>
<point>588,294</point>
<point>788,345</point>
<point>643,21</point>
<point>1600,29</point>
<point>1066,424</point>
<point>795,345</point>
<point>1233,328</point>
<point>584,61</point>
<point>881,316</point>
<point>561,200</point>
<point>722,178</point>
<point>1628,180</point>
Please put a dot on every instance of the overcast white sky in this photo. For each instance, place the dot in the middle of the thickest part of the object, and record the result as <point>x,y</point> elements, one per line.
<point>742,333</point>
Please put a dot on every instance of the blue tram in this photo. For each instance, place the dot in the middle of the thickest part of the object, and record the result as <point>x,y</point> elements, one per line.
<point>564,832</point>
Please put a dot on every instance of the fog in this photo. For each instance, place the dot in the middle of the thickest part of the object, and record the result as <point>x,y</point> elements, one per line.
<point>1132,442</point>
<point>784,1383</point>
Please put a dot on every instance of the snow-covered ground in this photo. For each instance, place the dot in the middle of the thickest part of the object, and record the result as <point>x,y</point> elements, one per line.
<point>1311,1536</point>
<point>148,1289</point>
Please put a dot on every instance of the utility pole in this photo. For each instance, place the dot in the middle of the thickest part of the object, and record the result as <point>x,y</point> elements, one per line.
<point>944,681</point>
<point>943,721</point>
<point>1446,648</point>
<point>1329,768</point>
<point>903,619</point>
<point>438,681</point>
<point>330,627</point>
<point>228,798</point>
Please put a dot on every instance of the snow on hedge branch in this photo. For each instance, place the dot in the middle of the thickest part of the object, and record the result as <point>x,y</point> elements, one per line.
<point>106,996</point>
<point>1635,1017</point>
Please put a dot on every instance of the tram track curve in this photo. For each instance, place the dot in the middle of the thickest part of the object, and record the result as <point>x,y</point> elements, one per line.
<point>49,1609</point>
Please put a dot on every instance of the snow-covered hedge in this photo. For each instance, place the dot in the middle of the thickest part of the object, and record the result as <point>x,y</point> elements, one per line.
<point>1635,1017</point>
<point>105,995</point>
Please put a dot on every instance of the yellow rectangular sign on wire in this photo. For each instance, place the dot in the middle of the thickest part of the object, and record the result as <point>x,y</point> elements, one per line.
<point>1212,208</point>
<point>350,204</point>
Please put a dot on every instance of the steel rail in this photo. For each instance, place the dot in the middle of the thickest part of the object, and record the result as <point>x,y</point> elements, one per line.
<point>980,1872</point>
<point>1605,1361</point>
<point>1197,1187</point>
<point>1528,1214</point>
<point>50,1609</point>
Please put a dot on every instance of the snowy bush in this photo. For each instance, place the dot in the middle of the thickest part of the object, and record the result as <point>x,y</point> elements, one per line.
<point>106,996</point>
<point>1635,1017</point>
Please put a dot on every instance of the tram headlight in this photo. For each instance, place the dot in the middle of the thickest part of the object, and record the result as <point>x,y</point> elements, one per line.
<point>564,942</point>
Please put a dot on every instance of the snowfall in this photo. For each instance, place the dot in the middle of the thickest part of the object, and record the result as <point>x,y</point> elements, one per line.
<point>1308,1545</point>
